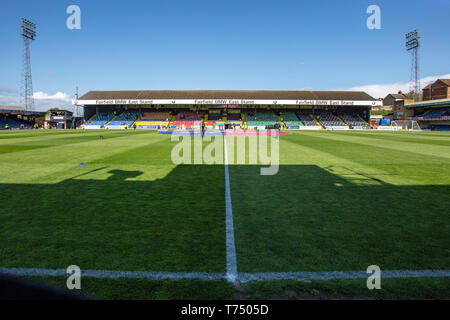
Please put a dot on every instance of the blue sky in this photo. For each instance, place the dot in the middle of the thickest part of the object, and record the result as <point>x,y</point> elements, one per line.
<point>246,44</point>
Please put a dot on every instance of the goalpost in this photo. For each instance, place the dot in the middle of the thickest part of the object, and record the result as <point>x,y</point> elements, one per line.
<point>406,125</point>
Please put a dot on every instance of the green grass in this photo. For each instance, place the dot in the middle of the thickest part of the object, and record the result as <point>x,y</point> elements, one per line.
<point>113,212</point>
<point>417,288</point>
<point>340,201</point>
<point>344,202</point>
<point>381,112</point>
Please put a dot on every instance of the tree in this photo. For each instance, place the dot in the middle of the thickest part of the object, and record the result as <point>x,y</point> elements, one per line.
<point>53,110</point>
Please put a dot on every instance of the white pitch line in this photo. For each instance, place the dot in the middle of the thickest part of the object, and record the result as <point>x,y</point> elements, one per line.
<point>340,275</point>
<point>243,277</point>
<point>114,274</point>
<point>232,274</point>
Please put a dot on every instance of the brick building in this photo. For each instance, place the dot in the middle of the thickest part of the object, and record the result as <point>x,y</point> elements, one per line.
<point>391,98</point>
<point>440,89</point>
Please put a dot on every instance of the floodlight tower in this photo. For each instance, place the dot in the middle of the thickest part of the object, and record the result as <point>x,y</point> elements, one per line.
<point>26,92</point>
<point>412,44</point>
<point>77,107</point>
<point>75,103</point>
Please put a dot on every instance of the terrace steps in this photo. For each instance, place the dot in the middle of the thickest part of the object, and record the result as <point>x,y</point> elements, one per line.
<point>281,122</point>
<point>363,120</point>
<point>171,121</point>
<point>110,121</point>
<point>92,117</point>
<point>317,121</point>
<point>345,123</point>
<point>134,122</point>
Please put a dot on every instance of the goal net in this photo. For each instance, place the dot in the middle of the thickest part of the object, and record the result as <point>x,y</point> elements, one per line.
<point>406,125</point>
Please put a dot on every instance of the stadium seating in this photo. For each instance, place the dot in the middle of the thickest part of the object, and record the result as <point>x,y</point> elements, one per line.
<point>188,120</point>
<point>156,116</point>
<point>234,116</point>
<point>440,127</point>
<point>13,123</point>
<point>304,115</point>
<point>436,113</point>
<point>290,119</point>
<point>328,119</point>
<point>100,119</point>
<point>353,120</point>
<point>153,120</point>
<point>260,118</point>
<point>214,116</point>
<point>189,116</point>
<point>126,118</point>
<point>234,120</point>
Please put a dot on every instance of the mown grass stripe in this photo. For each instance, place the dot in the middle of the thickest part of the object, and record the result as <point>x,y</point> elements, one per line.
<point>425,150</point>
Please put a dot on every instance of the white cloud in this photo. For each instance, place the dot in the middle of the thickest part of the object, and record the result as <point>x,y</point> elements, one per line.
<point>381,90</point>
<point>57,96</point>
<point>42,101</point>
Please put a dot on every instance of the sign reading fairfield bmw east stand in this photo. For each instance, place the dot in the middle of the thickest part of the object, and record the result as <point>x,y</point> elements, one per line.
<point>227,102</point>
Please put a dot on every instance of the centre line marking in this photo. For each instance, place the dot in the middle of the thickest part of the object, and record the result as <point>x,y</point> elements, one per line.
<point>232,275</point>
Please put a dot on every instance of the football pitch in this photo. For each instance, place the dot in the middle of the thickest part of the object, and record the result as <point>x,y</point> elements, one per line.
<point>140,226</point>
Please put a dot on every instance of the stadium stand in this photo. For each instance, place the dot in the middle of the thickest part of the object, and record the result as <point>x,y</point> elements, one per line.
<point>214,119</point>
<point>100,119</point>
<point>328,119</point>
<point>214,116</point>
<point>222,110</point>
<point>219,120</point>
<point>304,115</point>
<point>290,119</point>
<point>435,114</point>
<point>440,127</point>
<point>233,120</point>
<point>126,118</point>
<point>188,120</point>
<point>189,116</point>
<point>13,123</point>
<point>156,116</point>
<point>153,120</point>
<point>353,120</point>
<point>234,116</point>
<point>260,118</point>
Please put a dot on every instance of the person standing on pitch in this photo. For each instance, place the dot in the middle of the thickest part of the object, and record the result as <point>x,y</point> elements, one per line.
<point>203,128</point>
<point>277,126</point>
<point>277,129</point>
